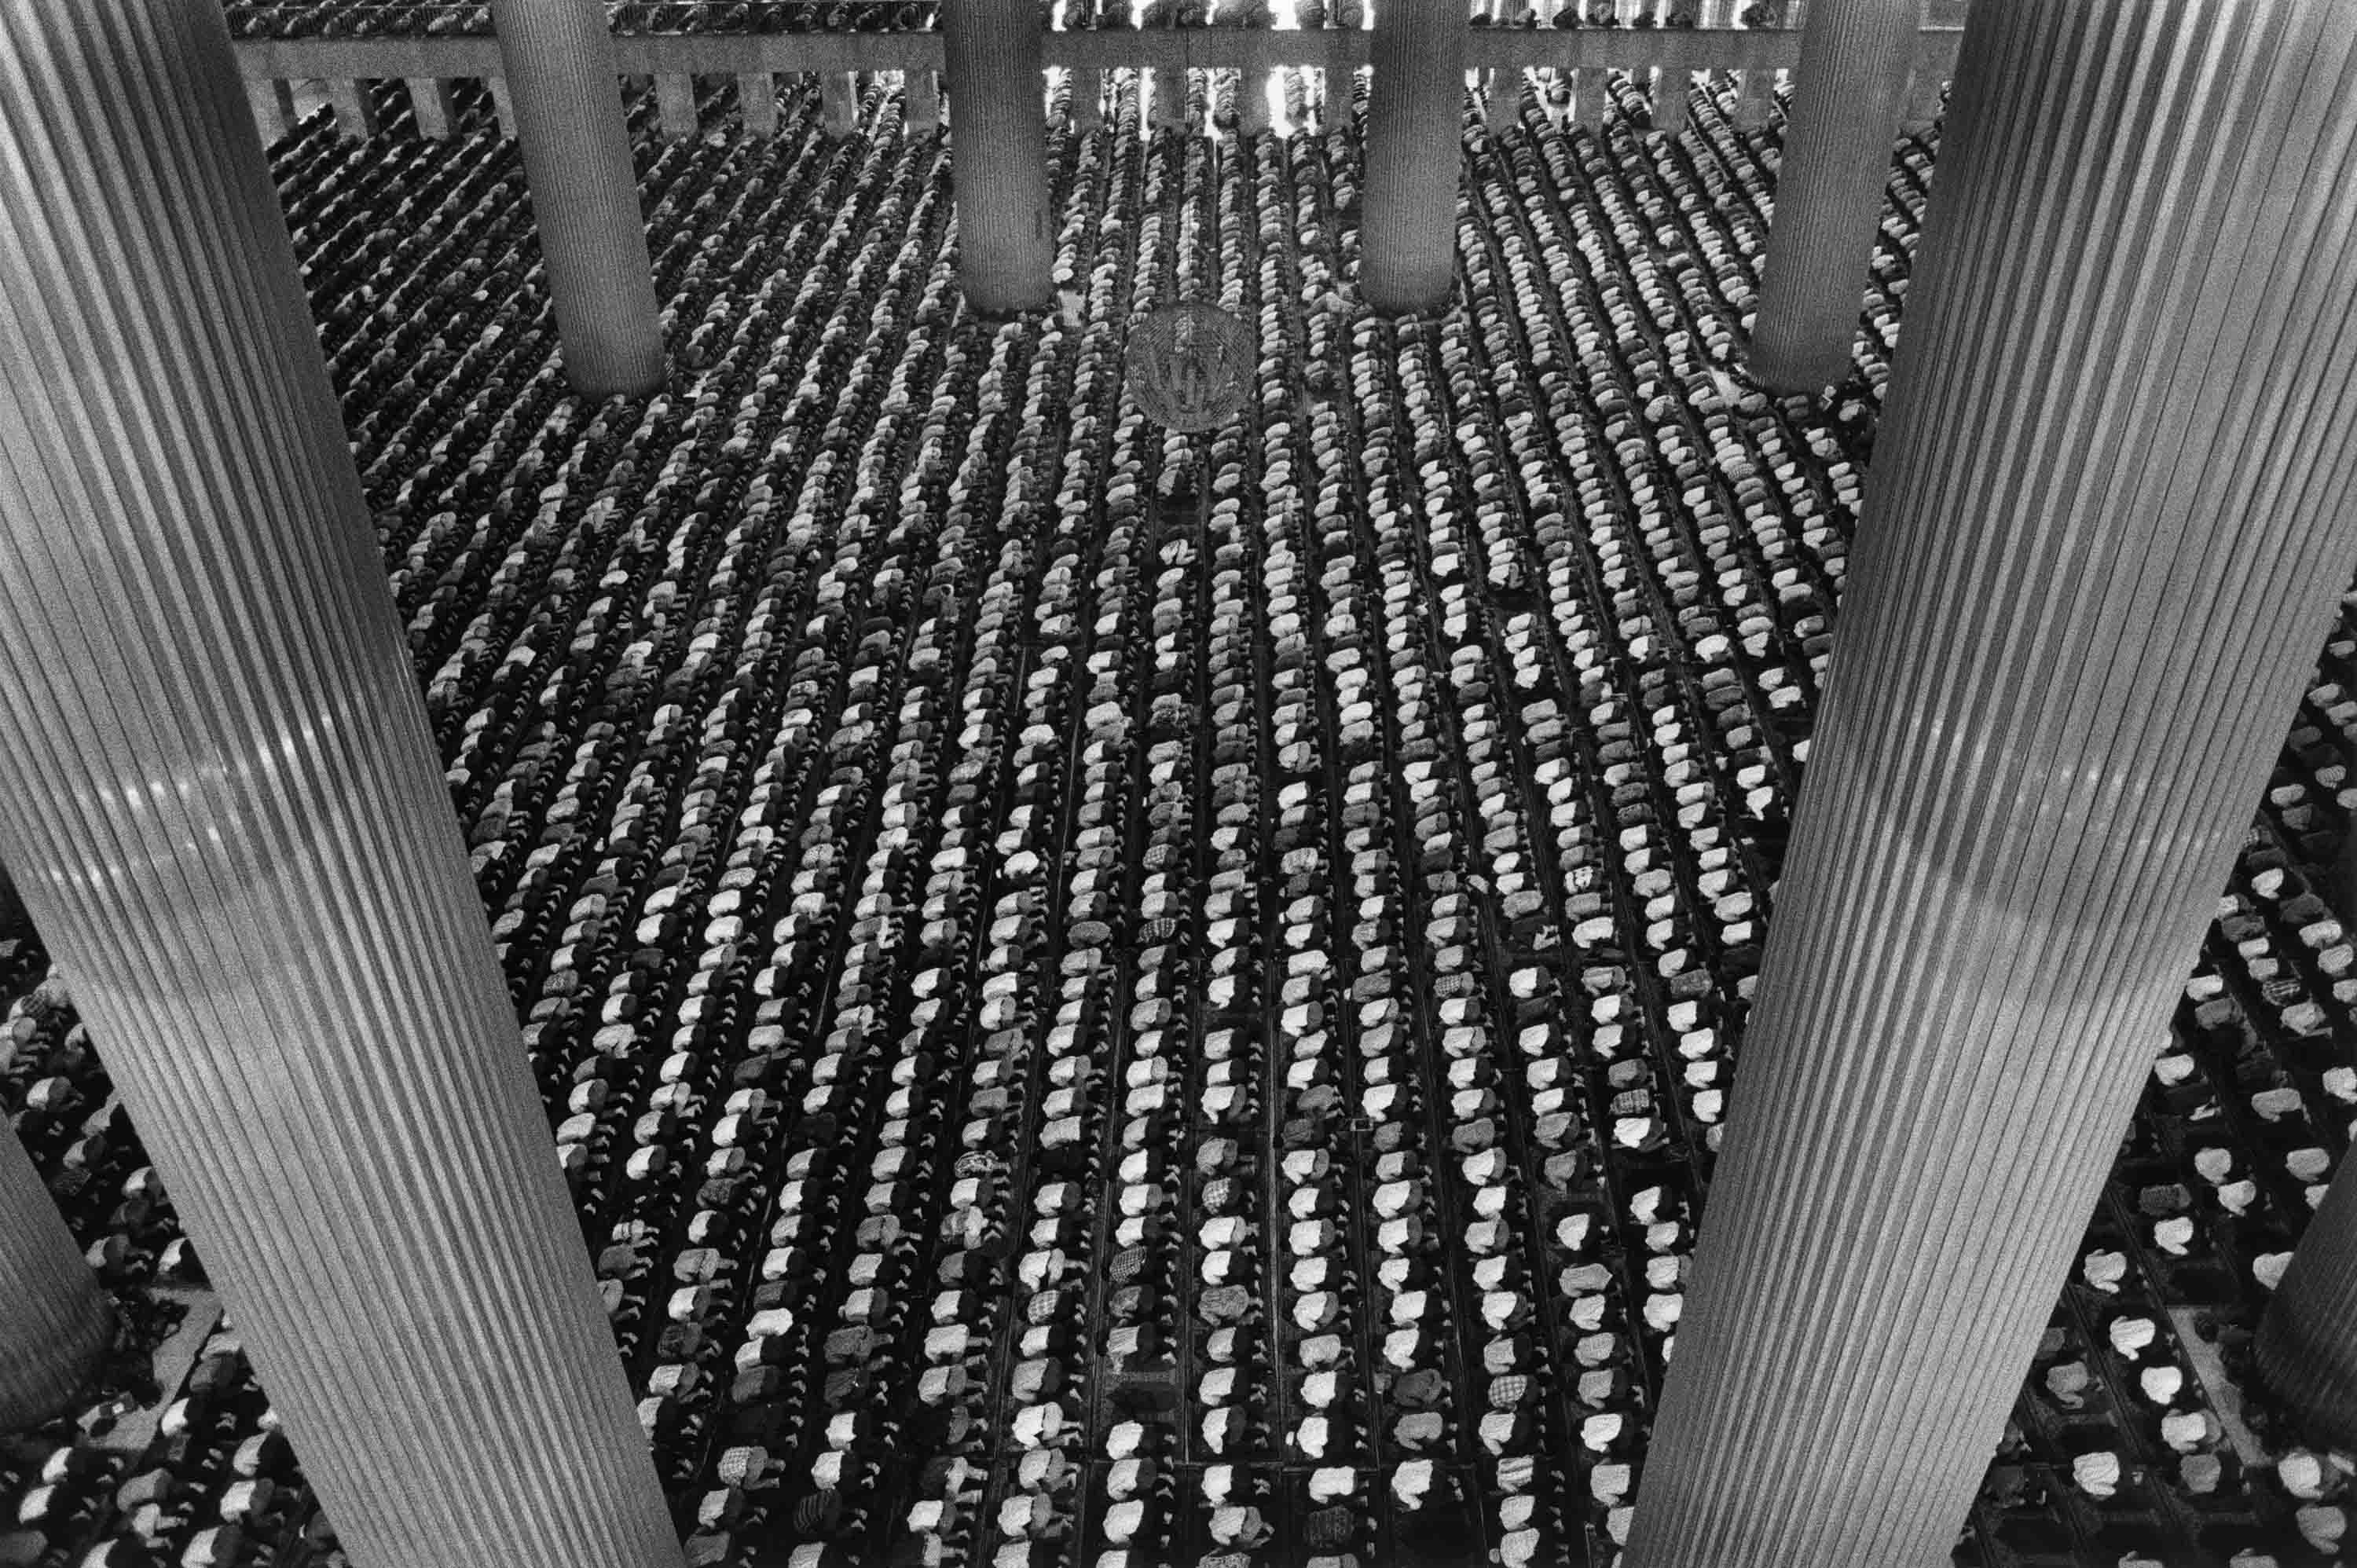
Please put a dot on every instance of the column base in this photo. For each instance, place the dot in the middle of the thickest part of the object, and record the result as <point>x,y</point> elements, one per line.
<point>1799,371</point>
<point>599,382</point>
<point>1764,369</point>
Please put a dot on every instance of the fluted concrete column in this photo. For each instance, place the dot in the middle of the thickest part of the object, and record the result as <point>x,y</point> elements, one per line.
<point>1416,127</point>
<point>567,98</point>
<point>998,154</point>
<point>430,103</point>
<point>1672,84</point>
<point>1589,99</point>
<point>502,106</point>
<point>227,814</point>
<point>2344,889</point>
<point>675,114</point>
<point>1252,102</point>
<point>1755,98</point>
<point>838,102</point>
<point>1673,81</point>
<point>355,110</point>
<point>922,110</point>
<point>2109,514</point>
<point>273,103</point>
<point>57,1321</point>
<point>1163,104</point>
<point>1924,85</point>
<point>757,101</point>
<point>2307,1340</point>
<point>1857,56</point>
<point>1500,92</point>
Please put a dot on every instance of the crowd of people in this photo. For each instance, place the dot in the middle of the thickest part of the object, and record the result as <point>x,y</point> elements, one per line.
<point>1109,998</point>
<point>460,18</point>
<point>436,18</point>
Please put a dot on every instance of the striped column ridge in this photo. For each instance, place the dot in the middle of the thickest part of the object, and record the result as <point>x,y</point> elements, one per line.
<point>227,814</point>
<point>1849,95</point>
<point>557,60</point>
<point>2109,515</point>
<point>1416,134</point>
<point>998,154</point>
<point>2307,1340</point>
<point>57,1321</point>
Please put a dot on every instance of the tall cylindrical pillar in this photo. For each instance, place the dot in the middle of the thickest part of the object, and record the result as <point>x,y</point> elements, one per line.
<point>838,102</point>
<point>58,1320</point>
<point>1673,81</point>
<point>1501,97</point>
<point>557,59</point>
<point>998,154</point>
<point>2307,1340</point>
<point>675,114</point>
<point>1415,131</point>
<point>1252,101</point>
<point>921,111</point>
<point>2110,510</point>
<point>1165,104</point>
<point>757,99</point>
<point>1857,56</point>
<point>431,104</point>
<point>226,810</point>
